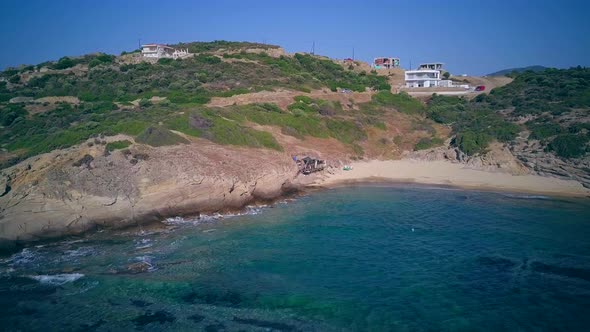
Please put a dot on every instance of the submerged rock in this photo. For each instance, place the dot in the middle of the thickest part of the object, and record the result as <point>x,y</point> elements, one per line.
<point>139,267</point>
<point>159,316</point>
<point>265,324</point>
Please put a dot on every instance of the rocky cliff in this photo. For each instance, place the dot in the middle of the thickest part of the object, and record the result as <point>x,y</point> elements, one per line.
<point>76,189</point>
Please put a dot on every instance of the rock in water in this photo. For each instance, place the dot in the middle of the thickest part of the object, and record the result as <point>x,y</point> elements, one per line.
<point>139,267</point>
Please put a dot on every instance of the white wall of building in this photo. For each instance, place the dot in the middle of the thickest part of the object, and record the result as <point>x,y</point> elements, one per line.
<point>422,78</point>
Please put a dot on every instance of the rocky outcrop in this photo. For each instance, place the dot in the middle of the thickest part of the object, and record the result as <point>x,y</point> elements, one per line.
<point>498,158</point>
<point>533,155</point>
<point>73,190</point>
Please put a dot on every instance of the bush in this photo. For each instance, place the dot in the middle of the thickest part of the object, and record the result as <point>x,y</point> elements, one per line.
<point>569,145</point>
<point>165,61</point>
<point>117,145</point>
<point>541,131</point>
<point>471,142</point>
<point>427,143</point>
<point>93,63</point>
<point>144,102</point>
<point>14,79</point>
<point>64,63</point>
<point>402,102</point>
<point>158,136</point>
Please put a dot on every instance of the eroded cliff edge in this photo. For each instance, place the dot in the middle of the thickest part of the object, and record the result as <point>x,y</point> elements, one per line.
<point>73,190</point>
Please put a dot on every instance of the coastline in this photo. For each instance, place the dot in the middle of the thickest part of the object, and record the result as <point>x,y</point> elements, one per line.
<point>53,218</point>
<point>448,174</point>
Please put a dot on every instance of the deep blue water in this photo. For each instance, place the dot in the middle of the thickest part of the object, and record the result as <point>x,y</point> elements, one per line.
<point>358,258</point>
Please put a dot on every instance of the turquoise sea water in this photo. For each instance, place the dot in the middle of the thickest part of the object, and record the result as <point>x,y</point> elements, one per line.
<point>363,258</point>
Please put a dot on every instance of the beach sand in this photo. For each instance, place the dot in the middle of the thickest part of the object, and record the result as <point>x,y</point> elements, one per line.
<point>451,174</point>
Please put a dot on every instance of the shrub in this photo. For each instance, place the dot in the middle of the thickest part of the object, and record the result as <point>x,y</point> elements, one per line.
<point>14,79</point>
<point>84,161</point>
<point>402,102</point>
<point>117,145</point>
<point>158,136</point>
<point>144,102</point>
<point>471,142</point>
<point>64,63</point>
<point>427,143</point>
<point>93,63</point>
<point>165,61</point>
<point>543,131</point>
<point>569,145</point>
<point>303,99</point>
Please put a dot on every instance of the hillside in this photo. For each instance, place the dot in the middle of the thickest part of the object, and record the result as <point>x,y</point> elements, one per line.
<point>102,140</point>
<point>60,104</point>
<point>543,117</point>
<point>517,70</point>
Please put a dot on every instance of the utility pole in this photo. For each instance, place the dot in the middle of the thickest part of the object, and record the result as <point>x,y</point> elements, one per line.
<point>139,43</point>
<point>353,54</point>
<point>313,48</point>
<point>410,64</point>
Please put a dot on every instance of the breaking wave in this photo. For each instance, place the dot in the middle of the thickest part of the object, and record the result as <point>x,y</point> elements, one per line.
<point>204,218</point>
<point>57,279</point>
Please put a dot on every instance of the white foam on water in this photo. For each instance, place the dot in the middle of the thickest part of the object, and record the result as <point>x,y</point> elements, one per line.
<point>25,256</point>
<point>248,210</point>
<point>74,241</point>
<point>80,252</point>
<point>57,279</point>
<point>525,196</point>
<point>147,260</point>
<point>85,287</point>
<point>143,243</point>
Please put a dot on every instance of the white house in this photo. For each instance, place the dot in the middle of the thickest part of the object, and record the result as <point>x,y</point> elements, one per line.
<point>162,51</point>
<point>427,75</point>
<point>422,78</point>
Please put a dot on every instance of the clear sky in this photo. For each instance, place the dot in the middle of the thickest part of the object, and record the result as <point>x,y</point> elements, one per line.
<point>469,36</point>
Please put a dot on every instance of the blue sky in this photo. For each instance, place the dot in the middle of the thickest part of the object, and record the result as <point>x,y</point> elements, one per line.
<point>474,37</point>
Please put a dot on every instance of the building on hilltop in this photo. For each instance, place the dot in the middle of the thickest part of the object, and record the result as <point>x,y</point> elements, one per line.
<point>385,63</point>
<point>427,75</point>
<point>431,66</point>
<point>162,51</point>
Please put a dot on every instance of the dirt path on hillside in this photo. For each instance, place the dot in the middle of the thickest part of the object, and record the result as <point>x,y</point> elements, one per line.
<point>283,98</point>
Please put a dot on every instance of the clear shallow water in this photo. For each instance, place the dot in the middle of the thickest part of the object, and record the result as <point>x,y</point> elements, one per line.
<point>358,258</point>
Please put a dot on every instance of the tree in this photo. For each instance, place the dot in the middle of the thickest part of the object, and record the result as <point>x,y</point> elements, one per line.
<point>14,79</point>
<point>64,63</point>
<point>446,75</point>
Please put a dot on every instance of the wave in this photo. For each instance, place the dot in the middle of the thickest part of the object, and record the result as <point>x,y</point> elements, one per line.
<point>525,196</point>
<point>80,252</point>
<point>143,243</point>
<point>57,279</point>
<point>25,256</point>
<point>204,218</point>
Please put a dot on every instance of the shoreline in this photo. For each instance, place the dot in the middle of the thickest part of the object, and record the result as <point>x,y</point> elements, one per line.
<point>452,175</point>
<point>411,172</point>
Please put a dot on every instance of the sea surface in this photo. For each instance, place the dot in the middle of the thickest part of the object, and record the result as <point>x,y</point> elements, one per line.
<point>361,258</point>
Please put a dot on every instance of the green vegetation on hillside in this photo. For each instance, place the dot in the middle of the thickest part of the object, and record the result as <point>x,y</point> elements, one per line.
<point>401,101</point>
<point>115,98</point>
<point>118,145</point>
<point>549,98</point>
<point>106,86</point>
<point>475,125</point>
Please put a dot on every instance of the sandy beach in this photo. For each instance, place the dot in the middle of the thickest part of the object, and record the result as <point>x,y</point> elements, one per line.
<point>452,174</point>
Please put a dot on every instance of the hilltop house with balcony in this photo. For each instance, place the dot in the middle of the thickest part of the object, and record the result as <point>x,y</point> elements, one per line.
<point>427,75</point>
<point>162,51</point>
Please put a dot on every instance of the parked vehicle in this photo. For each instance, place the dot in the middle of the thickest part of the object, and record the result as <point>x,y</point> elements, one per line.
<point>480,88</point>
